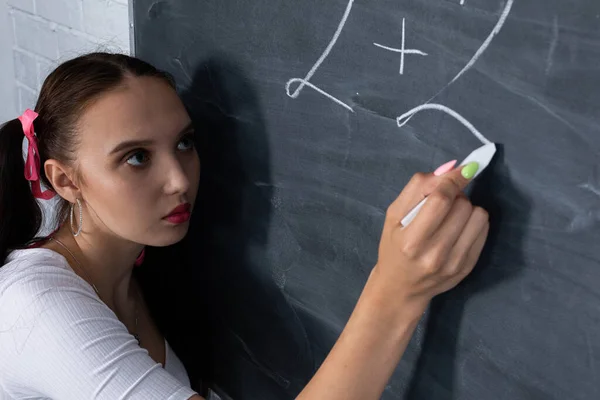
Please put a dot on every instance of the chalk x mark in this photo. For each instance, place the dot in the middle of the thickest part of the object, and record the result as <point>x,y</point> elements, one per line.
<point>404,118</point>
<point>306,81</point>
<point>403,50</point>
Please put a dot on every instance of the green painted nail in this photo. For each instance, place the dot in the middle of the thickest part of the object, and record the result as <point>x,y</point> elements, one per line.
<point>469,170</point>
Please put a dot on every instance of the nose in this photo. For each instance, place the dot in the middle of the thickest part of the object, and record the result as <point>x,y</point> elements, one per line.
<point>177,181</point>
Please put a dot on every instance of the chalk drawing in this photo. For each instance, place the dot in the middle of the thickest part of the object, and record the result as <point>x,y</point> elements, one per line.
<point>487,42</point>
<point>306,80</point>
<point>403,50</point>
<point>403,119</point>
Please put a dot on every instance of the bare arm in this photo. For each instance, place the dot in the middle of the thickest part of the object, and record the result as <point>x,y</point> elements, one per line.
<point>366,354</point>
<point>430,256</point>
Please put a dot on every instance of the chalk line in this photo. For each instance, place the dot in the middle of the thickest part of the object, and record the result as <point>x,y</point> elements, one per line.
<point>553,43</point>
<point>487,42</point>
<point>409,51</point>
<point>404,118</point>
<point>403,46</point>
<point>305,81</point>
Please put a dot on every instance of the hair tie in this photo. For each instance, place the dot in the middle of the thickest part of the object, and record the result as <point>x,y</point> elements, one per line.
<point>32,163</point>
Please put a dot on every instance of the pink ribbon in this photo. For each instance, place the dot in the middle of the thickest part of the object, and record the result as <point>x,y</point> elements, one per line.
<point>32,163</point>
<point>140,258</point>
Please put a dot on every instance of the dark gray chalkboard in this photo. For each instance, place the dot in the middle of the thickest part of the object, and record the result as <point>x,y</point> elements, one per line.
<point>296,181</point>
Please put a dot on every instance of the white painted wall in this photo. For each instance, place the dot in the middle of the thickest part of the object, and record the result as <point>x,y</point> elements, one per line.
<point>42,33</point>
<point>8,96</point>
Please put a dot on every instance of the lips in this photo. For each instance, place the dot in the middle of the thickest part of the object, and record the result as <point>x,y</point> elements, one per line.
<point>180,214</point>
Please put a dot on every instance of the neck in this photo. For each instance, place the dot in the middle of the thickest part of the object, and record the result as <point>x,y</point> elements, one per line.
<point>107,262</point>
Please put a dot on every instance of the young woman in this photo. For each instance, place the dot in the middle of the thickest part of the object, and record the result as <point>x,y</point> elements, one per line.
<point>116,146</point>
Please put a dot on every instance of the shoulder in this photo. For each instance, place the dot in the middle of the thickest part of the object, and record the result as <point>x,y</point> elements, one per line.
<point>33,282</point>
<point>26,261</point>
<point>36,269</point>
<point>40,300</point>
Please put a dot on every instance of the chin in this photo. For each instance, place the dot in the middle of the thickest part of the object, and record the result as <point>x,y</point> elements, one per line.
<point>169,236</point>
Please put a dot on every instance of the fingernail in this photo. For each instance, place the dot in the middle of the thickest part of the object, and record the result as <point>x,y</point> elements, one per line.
<point>469,170</point>
<point>442,169</point>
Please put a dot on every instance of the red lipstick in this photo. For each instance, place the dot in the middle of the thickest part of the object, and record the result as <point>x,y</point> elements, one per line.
<point>180,214</point>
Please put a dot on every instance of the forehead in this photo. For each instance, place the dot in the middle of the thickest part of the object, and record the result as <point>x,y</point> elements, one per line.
<point>141,108</point>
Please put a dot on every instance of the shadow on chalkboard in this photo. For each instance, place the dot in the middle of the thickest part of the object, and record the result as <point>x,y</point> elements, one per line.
<point>434,375</point>
<point>253,331</point>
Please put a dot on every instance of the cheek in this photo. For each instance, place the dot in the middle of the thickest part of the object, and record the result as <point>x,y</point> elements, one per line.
<point>118,198</point>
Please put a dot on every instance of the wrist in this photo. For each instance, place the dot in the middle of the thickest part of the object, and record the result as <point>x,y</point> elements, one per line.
<point>397,307</point>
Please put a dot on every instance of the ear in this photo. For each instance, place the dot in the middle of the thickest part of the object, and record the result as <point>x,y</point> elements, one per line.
<point>62,179</point>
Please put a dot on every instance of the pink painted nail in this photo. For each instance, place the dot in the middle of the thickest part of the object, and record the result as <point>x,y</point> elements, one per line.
<point>442,169</point>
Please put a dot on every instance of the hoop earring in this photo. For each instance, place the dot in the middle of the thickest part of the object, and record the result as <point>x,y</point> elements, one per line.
<point>80,218</point>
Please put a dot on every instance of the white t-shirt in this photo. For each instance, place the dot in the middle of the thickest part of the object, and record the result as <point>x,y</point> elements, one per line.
<point>59,341</point>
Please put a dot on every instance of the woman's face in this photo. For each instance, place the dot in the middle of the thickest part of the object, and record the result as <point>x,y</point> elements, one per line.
<point>137,161</point>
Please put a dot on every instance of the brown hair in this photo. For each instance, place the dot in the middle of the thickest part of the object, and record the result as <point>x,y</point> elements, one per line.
<point>64,96</point>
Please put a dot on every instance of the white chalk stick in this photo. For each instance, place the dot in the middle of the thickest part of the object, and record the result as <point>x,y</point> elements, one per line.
<point>483,155</point>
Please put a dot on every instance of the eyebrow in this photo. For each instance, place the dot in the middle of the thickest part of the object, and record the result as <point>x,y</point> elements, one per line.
<point>139,143</point>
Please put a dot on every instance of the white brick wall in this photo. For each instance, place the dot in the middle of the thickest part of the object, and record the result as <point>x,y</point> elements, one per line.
<point>47,32</point>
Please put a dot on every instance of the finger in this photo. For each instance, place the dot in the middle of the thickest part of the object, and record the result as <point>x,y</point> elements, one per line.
<point>465,267</point>
<point>438,204</point>
<point>475,228</point>
<point>475,251</point>
<point>454,223</point>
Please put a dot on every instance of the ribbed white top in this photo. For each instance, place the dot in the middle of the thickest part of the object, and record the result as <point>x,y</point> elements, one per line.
<point>59,341</point>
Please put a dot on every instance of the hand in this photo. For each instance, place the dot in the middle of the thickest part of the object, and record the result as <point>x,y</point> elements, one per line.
<point>437,250</point>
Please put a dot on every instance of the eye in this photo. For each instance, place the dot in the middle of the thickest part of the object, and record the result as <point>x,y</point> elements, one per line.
<point>138,159</point>
<point>187,142</point>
